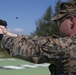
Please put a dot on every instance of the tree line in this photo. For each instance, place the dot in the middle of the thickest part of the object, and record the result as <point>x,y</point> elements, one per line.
<point>46,27</point>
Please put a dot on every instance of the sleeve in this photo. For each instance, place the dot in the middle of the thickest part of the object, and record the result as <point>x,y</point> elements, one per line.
<point>35,49</point>
<point>58,51</point>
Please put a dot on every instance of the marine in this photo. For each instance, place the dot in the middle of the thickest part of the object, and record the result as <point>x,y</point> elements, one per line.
<point>60,52</point>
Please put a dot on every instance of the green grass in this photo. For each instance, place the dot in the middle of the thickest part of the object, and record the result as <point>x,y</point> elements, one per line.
<point>27,71</point>
<point>35,71</point>
<point>4,54</point>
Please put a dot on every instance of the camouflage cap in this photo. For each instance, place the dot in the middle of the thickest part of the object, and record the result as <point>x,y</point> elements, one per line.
<point>66,8</point>
<point>58,16</point>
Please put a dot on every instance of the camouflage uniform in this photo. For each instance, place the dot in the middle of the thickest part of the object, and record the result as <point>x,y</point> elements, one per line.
<point>55,50</point>
<point>60,52</point>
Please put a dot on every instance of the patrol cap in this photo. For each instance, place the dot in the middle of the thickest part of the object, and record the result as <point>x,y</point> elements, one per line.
<point>65,8</point>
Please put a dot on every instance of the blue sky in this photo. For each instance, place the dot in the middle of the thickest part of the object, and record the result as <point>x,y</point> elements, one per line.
<point>27,11</point>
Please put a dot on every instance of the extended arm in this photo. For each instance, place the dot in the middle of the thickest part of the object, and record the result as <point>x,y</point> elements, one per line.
<point>10,34</point>
<point>6,32</point>
<point>58,51</point>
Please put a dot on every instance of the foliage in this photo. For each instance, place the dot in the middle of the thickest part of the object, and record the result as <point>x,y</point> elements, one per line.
<point>57,7</point>
<point>3,53</point>
<point>46,27</point>
<point>43,26</point>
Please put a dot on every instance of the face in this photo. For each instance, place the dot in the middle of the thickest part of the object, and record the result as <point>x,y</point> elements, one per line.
<point>66,26</point>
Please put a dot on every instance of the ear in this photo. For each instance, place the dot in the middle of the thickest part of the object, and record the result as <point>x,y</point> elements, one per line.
<point>73,32</point>
<point>72,19</point>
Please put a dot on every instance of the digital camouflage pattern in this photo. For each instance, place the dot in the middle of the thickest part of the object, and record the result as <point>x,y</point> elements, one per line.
<point>66,8</point>
<point>55,50</point>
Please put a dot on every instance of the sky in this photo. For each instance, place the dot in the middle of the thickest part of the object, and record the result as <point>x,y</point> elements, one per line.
<point>27,12</point>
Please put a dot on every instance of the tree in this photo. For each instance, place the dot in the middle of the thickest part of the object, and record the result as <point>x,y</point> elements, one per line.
<point>55,27</point>
<point>46,27</point>
<point>43,25</point>
<point>57,7</point>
